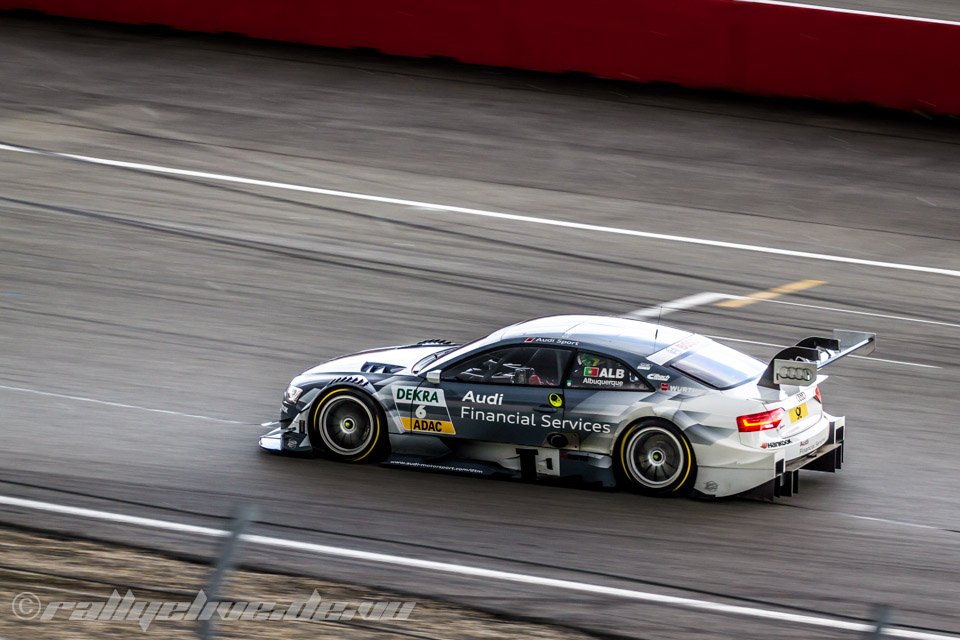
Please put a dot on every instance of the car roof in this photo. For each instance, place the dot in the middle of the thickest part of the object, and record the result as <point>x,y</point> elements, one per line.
<point>610,332</point>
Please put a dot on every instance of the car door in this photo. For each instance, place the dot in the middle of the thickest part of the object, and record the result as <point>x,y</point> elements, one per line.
<point>507,394</point>
<point>598,392</point>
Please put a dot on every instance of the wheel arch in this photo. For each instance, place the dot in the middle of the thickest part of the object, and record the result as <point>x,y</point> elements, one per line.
<point>646,411</point>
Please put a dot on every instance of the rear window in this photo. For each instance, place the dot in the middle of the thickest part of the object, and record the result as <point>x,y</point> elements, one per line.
<point>718,365</point>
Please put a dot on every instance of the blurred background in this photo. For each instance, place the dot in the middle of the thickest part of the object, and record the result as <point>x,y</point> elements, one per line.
<point>200,200</point>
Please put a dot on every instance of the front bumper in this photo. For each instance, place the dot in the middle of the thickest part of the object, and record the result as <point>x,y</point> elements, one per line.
<point>289,433</point>
<point>284,439</point>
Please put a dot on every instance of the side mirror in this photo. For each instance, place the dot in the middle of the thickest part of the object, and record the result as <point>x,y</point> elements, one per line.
<point>433,377</point>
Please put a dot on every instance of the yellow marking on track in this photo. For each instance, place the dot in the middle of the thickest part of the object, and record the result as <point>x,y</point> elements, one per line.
<point>770,294</point>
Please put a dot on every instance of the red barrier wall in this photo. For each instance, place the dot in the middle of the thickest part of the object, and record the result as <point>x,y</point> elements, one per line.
<point>842,57</point>
<point>742,46</point>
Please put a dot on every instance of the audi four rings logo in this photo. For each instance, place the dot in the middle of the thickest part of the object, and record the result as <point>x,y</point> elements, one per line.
<point>795,373</point>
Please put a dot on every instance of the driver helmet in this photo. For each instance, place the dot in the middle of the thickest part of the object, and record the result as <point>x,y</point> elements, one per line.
<point>588,360</point>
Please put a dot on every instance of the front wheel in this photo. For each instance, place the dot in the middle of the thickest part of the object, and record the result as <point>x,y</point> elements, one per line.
<point>654,458</point>
<point>347,425</point>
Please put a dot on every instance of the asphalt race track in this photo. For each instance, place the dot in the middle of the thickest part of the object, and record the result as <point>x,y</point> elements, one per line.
<point>930,9</point>
<point>149,322</point>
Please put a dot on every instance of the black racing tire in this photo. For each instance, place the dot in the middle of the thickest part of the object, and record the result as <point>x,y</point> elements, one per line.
<point>654,458</point>
<point>348,425</point>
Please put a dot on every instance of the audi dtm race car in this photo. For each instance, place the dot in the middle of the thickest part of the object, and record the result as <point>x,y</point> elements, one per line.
<point>608,400</point>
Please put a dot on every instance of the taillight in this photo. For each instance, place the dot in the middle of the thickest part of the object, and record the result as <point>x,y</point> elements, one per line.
<point>816,393</point>
<point>760,421</point>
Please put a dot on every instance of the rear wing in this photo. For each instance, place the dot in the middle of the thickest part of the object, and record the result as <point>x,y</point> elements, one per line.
<point>799,364</point>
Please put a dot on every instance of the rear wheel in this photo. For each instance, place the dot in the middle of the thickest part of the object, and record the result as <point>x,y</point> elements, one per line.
<point>348,425</point>
<point>654,458</point>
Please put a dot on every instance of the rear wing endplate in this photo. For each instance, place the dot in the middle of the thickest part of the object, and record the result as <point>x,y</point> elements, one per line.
<point>799,364</point>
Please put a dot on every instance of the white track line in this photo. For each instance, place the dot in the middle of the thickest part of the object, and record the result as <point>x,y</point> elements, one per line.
<point>899,523</point>
<point>151,168</point>
<point>700,299</point>
<point>860,313</point>
<point>120,405</point>
<point>477,572</point>
<point>856,12</point>
<point>868,358</point>
<point>696,300</point>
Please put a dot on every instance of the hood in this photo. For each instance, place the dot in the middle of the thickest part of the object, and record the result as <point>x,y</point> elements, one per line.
<point>389,360</point>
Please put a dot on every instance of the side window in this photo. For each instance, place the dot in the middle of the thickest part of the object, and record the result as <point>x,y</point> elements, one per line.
<point>592,371</point>
<point>533,366</point>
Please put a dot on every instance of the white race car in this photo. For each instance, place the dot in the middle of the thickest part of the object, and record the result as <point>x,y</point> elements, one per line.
<point>621,402</point>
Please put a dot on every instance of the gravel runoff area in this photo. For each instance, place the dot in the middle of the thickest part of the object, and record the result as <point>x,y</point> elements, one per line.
<point>55,569</point>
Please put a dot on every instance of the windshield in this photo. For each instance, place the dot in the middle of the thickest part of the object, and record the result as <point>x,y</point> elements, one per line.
<point>450,354</point>
<point>430,358</point>
<point>718,365</point>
